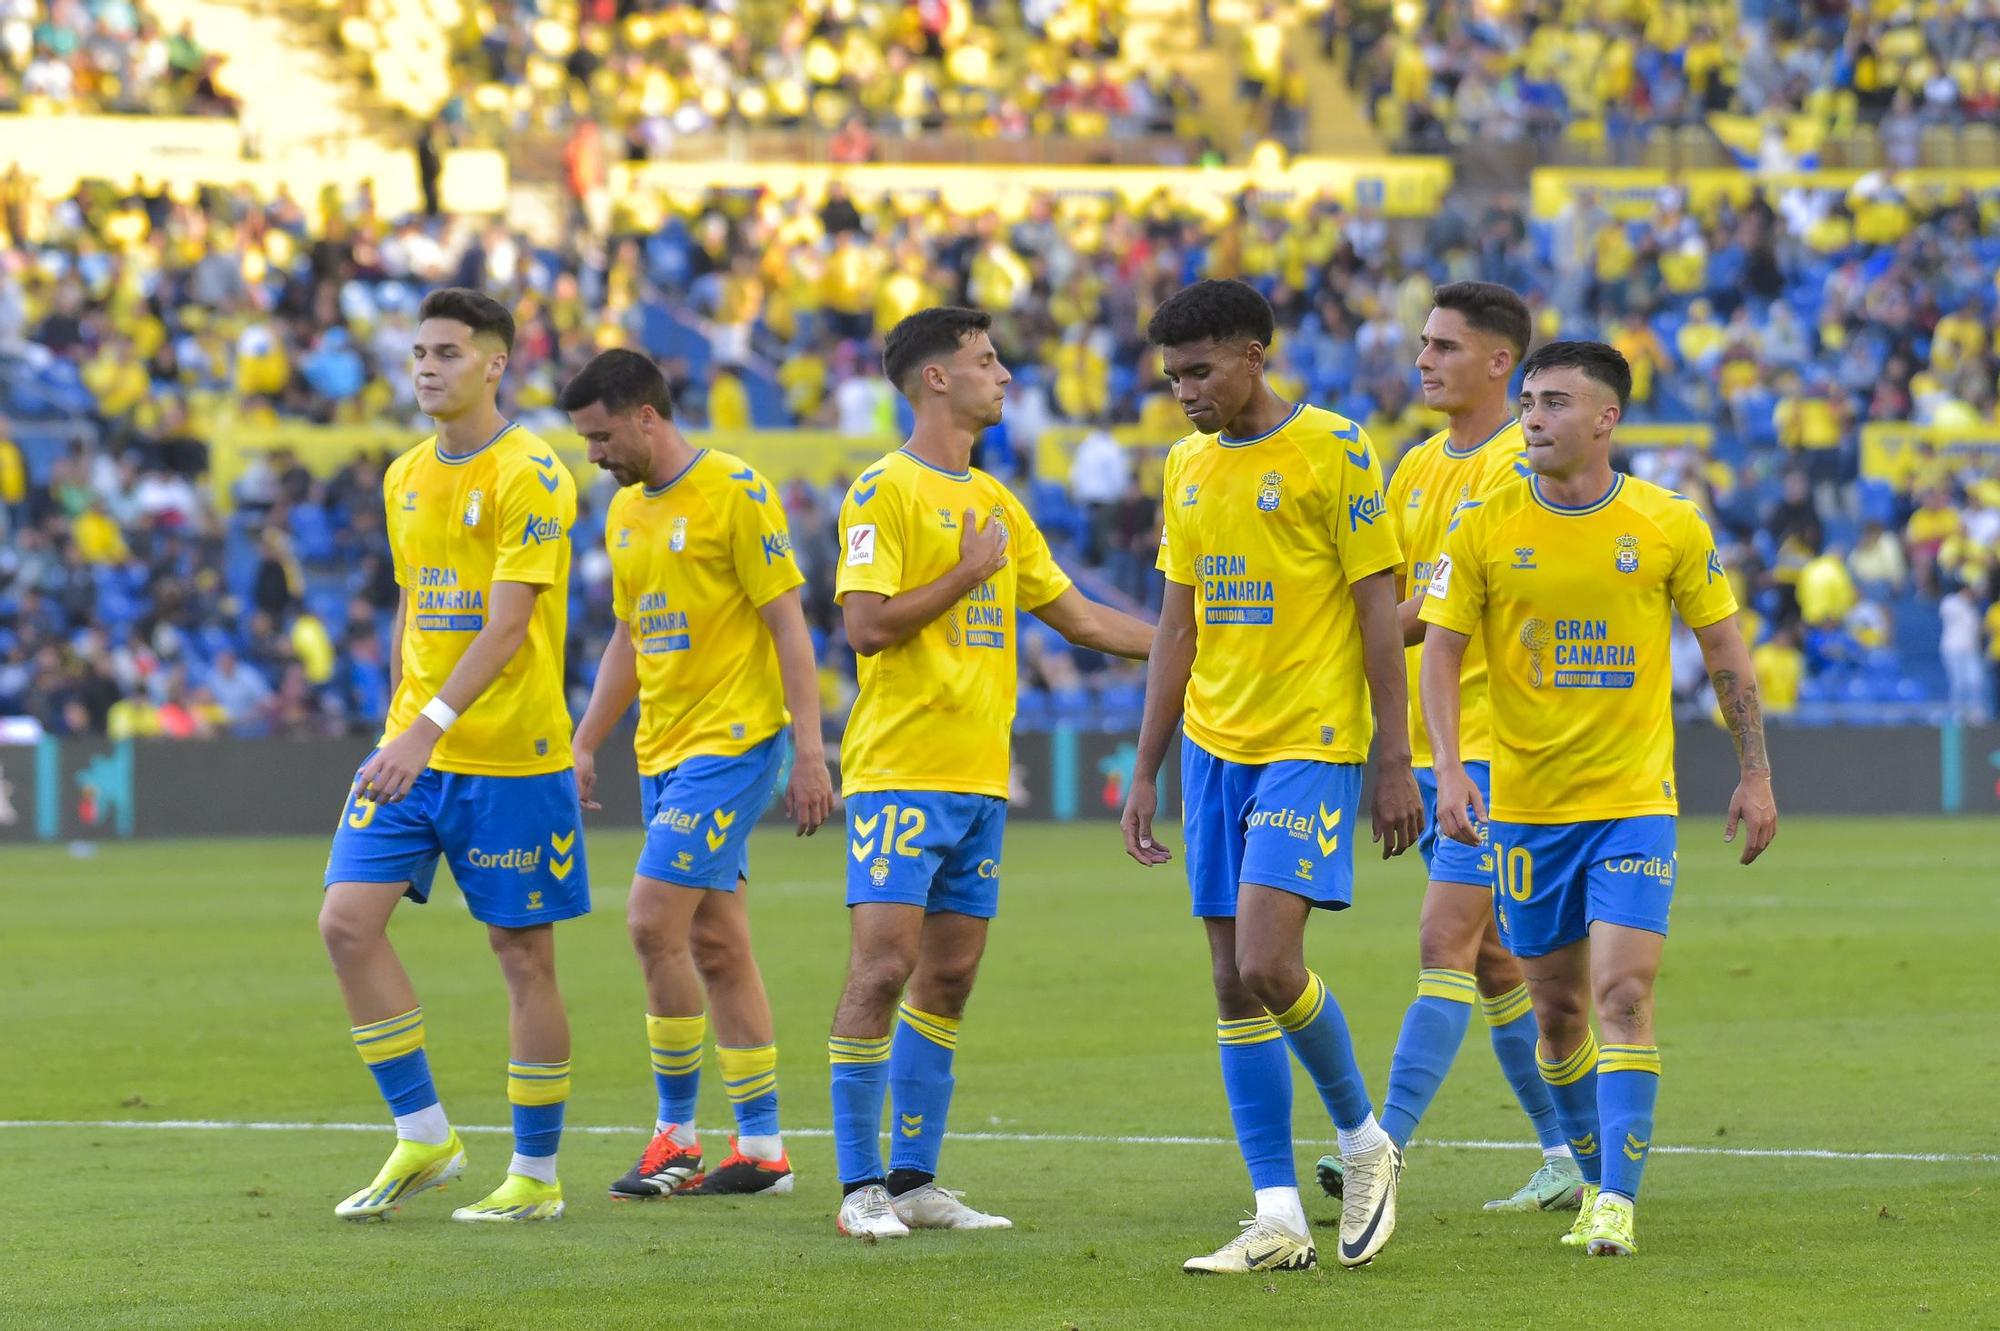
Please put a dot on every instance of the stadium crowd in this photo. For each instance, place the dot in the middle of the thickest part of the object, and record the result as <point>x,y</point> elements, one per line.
<point>129,601</point>
<point>652,74</point>
<point>103,56</point>
<point>1610,71</point>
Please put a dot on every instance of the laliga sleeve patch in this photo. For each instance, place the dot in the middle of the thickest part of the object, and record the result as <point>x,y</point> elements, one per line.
<point>861,544</point>
<point>1441,577</point>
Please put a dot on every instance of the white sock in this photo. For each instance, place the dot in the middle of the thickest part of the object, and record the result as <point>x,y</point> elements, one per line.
<point>1614,1198</point>
<point>1283,1206</point>
<point>426,1125</point>
<point>1556,1153</point>
<point>683,1133</point>
<point>762,1148</point>
<point>541,1168</point>
<point>1360,1141</point>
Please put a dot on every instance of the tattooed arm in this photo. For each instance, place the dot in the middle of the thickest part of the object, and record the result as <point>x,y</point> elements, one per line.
<point>1729,670</point>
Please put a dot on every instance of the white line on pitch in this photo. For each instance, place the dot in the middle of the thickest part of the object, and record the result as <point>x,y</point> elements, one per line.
<point>1049,1138</point>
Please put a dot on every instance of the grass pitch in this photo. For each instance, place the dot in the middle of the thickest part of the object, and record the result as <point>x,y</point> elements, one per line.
<point>1836,997</point>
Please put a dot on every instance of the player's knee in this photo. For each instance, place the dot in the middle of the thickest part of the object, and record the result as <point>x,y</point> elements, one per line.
<point>877,979</point>
<point>344,935</point>
<point>718,949</point>
<point>653,935</point>
<point>1561,1017</point>
<point>1445,942</point>
<point>1625,1005</point>
<point>1275,982</point>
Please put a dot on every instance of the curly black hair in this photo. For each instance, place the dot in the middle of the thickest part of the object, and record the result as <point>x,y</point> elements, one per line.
<point>1215,309</point>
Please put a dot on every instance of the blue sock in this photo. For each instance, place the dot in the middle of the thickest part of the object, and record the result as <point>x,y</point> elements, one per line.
<point>1572,1085</point>
<point>539,1092</point>
<point>920,1084</point>
<point>1433,1029</point>
<point>750,1076</point>
<point>1628,1082</point>
<point>860,1085</point>
<point>394,1053</point>
<point>676,1044</point>
<point>1316,1029</point>
<point>1257,1078</point>
<point>1512,1021</point>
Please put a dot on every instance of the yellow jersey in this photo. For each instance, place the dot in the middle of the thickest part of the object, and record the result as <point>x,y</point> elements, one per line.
<point>1430,483</point>
<point>1576,607</point>
<point>935,710</point>
<point>1269,532</point>
<point>692,563</point>
<point>457,525</point>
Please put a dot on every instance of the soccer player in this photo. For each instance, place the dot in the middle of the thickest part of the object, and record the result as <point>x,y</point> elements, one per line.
<point>712,639</point>
<point>1278,625</point>
<point>474,763</point>
<point>1473,341</point>
<point>1572,576</point>
<point>937,559</point>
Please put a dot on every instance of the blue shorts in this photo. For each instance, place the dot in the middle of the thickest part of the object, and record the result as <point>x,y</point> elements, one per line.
<point>930,848</point>
<point>1453,861</point>
<point>513,843</point>
<point>699,815</point>
<point>1556,879</point>
<point>1288,825</point>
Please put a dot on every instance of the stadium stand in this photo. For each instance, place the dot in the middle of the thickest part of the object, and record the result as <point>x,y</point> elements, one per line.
<point>103,56</point>
<point>1815,359</point>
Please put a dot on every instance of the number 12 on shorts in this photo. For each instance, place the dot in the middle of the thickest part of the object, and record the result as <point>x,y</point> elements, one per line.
<point>912,822</point>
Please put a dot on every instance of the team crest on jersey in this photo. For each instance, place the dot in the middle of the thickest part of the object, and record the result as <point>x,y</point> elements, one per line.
<point>624,538</point>
<point>541,748</point>
<point>678,541</point>
<point>1326,734</point>
<point>409,501</point>
<point>999,517</point>
<point>1628,554</point>
<point>473,504</point>
<point>1271,490</point>
<point>878,872</point>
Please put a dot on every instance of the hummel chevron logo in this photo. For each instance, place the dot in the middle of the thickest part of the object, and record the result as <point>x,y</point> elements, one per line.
<point>561,844</point>
<point>866,826</point>
<point>1329,840</point>
<point>715,840</point>
<point>860,849</point>
<point>912,1125</point>
<point>724,819</point>
<point>546,464</point>
<point>1350,434</point>
<point>1634,1148</point>
<point>866,479</point>
<point>1359,459</point>
<point>560,869</point>
<point>758,495</point>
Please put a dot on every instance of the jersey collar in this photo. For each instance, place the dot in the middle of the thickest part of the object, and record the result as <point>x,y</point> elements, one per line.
<point>655,491</point>
<point>458,459</point>
<point>965,475</point>
<point>1227,442</point>
<point>1448,452</point>
<point>1571,511</point>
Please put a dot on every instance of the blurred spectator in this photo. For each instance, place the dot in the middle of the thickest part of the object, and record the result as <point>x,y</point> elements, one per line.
<point>1959,648</point>
<point>1781,668</point>
<point>1099,473</point>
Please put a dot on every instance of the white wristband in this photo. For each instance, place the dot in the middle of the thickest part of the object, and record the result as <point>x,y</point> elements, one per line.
<point>439,713</point>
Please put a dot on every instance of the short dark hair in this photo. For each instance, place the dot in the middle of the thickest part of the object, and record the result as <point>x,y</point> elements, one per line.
<point>623,381</point>
<point>1218,308</point>
<point>1599,361</point>
<point>475,309</point>
<point>1490,308</point>
<point>928,336</point>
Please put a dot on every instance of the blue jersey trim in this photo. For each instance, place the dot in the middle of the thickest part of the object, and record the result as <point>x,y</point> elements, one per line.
<point>655,491</point>
<point>456,459</point>
<point>1481,444</point>
<point>1535,489</point>
<point>965,475</point>
<point>1227,442</point>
